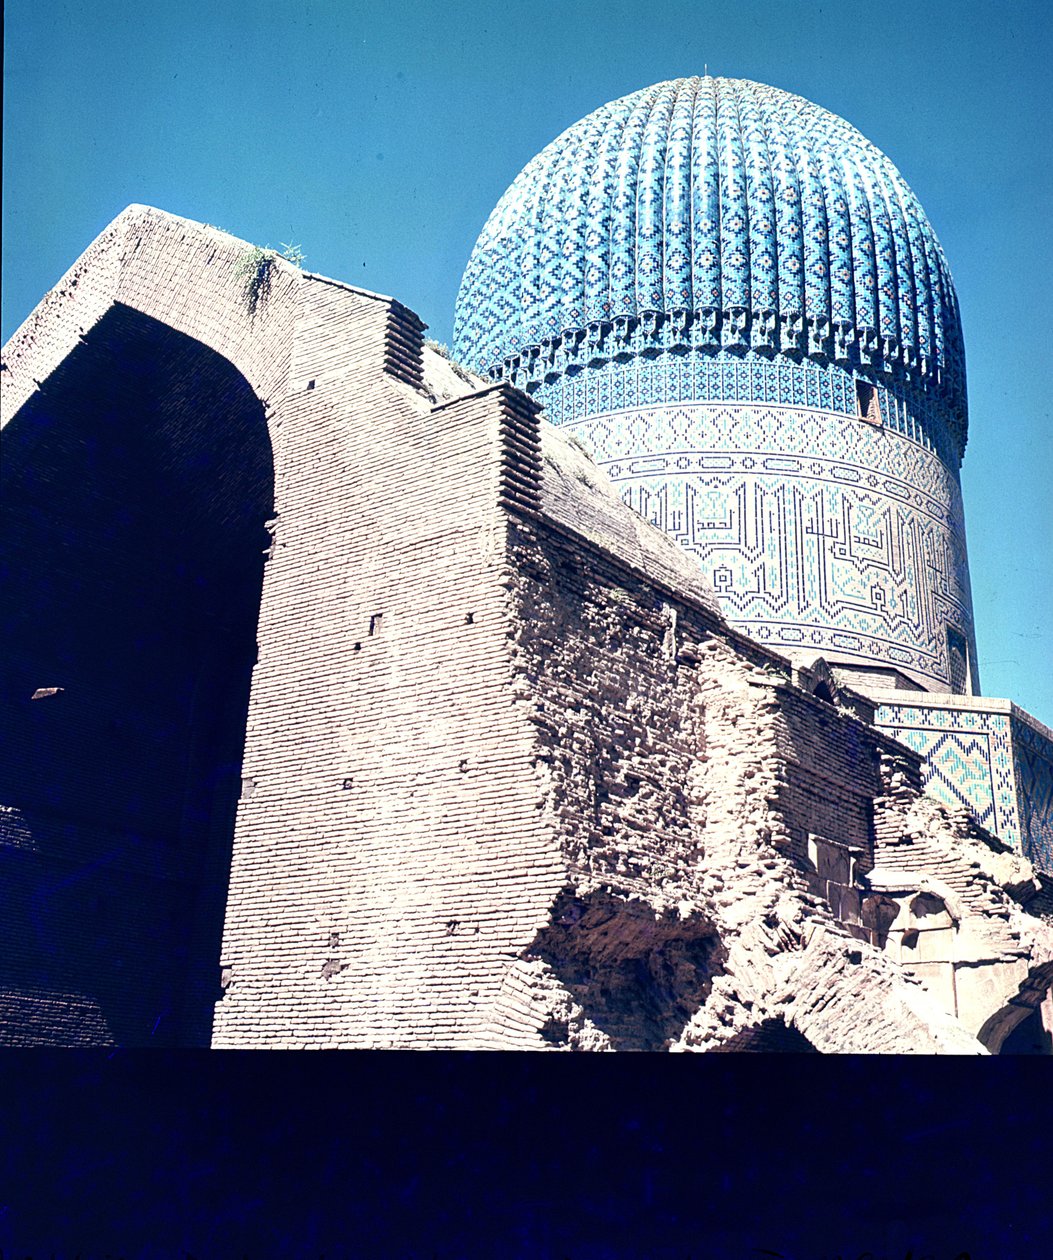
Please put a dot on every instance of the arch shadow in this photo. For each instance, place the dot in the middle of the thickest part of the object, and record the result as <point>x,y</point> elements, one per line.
<point>137,482</point>
<point>1018,1027</point>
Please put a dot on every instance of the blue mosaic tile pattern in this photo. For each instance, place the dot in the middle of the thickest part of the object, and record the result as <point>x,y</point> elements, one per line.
<point>569,393</point>
<point>968,760</point>
<point>1033,763</point>
<point>998,766</point>
<point>816,530</point>
<point>705,214</point>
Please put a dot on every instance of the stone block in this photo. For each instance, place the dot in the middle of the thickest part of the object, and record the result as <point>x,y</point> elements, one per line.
<point>939,979</point>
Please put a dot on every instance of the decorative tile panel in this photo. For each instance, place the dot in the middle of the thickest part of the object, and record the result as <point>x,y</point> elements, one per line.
<point>988,756</point>
<point>572,391</point>
<point>968,760</point>
<point>1033,764</point>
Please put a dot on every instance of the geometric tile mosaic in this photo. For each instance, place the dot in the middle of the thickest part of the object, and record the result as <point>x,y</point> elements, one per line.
<point>726,376</point>
<point>1033,765</point>
<point>988,756</point>
<point>703,279</point>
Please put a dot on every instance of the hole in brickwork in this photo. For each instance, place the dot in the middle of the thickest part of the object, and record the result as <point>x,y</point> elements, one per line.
<point>877,914</point>
<point>773,1036</point>
<point>374,623</point>
<point>556,1032</point>
<point>469,619</point>
<point>1022,1026</point>
<point>958,661</point>
<point>1030,1036</point>
<point>135,490</point>
<point>930,907</point>
<point>638,977</point>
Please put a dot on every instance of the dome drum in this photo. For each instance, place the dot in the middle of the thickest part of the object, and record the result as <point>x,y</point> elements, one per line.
<point>543,371</point>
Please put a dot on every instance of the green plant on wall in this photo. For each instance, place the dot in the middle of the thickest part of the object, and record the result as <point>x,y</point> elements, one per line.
<point>256,266</point>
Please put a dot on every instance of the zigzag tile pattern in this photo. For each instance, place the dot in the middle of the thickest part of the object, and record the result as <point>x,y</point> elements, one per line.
<point>968,760</point>
<point>1033,762</point>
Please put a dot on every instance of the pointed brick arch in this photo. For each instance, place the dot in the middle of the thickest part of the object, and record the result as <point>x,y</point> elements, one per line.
<point>1023,1024</point>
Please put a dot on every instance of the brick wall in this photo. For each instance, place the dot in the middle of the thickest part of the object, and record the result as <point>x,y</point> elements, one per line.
<point>390,857</point>
<point>684,775</point>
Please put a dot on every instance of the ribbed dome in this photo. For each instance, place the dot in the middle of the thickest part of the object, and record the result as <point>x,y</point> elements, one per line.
<point>715,213</point>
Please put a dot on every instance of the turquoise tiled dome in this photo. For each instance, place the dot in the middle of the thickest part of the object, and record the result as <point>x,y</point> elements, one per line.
<point>713,213</point>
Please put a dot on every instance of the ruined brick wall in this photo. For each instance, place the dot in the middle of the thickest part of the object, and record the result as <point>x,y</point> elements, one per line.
<point>949,901</point>
<point>617,731</point>
<point>683,776</point>
<point>831,775</point>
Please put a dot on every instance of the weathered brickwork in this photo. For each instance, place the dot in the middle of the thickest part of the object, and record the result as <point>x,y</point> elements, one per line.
<point>695,792</point>
<point>414,861</point>
<point>503,778</point>
<point>938,903</point>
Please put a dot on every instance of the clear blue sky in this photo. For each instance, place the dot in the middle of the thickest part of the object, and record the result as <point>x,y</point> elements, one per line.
<point>378,136</point>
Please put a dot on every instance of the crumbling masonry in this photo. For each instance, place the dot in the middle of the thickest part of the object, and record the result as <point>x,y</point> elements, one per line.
<point>346,706</point>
